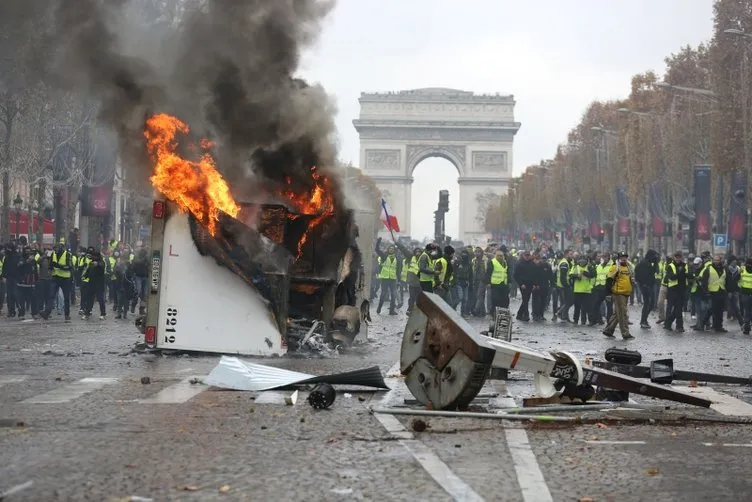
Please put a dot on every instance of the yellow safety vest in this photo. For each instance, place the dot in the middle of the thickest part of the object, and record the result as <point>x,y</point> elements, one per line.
<point>661,270</point>
<point>442,274</point>
<point>558,275</point>
<point>601,273</point>
<point>2,262</point>
<point>429,262</point>
<point>582,284</point>
<point>62,265</point>
<point>673,282</point>
<point>83,264</point>
<point>389,268</point>
<point>745,279</point>
<point>403,272</point>
<point>414,265</point>
<point>499,274</point>
<point>716,282</point>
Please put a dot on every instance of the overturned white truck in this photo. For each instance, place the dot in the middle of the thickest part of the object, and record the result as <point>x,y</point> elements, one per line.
<point>236,292</point>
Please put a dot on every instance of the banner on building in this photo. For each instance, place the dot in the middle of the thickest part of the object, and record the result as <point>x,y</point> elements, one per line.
<point>622,212</point>
<point>737,224</point>
<point>595,220</point>
<point>703,227</point>
<point>657,212</point>
<point>96,201</point>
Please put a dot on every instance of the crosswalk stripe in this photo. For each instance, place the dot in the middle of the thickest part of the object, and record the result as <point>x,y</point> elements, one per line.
<point>177,393</point>
<point>71,391</point>
<point>7,379</point>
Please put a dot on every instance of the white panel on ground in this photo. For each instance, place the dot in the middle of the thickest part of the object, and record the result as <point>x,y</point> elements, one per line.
<point>71,391</point>
<point>205,306</point>
<point>180,392</point>
<point>722,403</point>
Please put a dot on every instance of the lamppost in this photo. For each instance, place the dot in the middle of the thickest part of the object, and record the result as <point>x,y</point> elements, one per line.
<point>17,203</point>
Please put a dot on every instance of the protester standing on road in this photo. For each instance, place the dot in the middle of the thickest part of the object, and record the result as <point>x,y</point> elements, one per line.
<point>713,286</point>
<point>497,277</point>
<point>676,285</point>
<point>93,275</point>
<point>388,276</point>
<point>125,286</point>
<point>45,285</point>
<point>745,294</point>
<point>645,273</point>
<point>619,284</point>
<point>541,286</point>
<point>10,274</point>
<point>564,286</point>
<point>480,282</point>
<point>524,276</point>
<point>426,270</point>
<point>62,273</point>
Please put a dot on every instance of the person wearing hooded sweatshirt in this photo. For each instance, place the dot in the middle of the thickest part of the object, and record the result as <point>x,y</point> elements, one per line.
<point>745,294</point>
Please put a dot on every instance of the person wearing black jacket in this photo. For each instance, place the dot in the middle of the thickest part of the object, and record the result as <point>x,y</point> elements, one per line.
<point>10,274</point>
<point>141,269</point>
<point>543,278</point>
<point>125,286</point>
<point>27,280</point>
<point>94,272</point>
<point>676,285</point>
<point>524,276</point>
<point>645,273</point>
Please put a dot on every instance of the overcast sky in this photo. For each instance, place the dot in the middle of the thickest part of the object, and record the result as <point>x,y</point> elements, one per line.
<point>554,56</point>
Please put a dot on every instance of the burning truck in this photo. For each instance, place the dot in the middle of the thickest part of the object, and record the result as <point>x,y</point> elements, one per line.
<point>234,276</point>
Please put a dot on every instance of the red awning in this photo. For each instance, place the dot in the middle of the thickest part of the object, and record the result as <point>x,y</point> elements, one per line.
<point>48,226</point>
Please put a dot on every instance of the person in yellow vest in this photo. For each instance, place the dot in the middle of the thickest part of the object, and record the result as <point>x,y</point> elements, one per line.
<point>581,276</point>
<point>619,284</point>
<point>713,285</point>
<point>676,284</point>
<point>443,278</point>
<point>426,268</point>
<point>497,276</point>
<point>388,278</point>
<point>745,294</point>
<point>62,274</point>
<point>83,264</point>
<point>410,273</point>
<point>599,289</point>
<point>110,260</point>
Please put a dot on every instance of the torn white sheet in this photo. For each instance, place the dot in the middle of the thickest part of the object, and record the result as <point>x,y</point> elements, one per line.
<point>232,373</point>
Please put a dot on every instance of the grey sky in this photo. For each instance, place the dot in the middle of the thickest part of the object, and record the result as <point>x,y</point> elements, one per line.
<point>555,56</point>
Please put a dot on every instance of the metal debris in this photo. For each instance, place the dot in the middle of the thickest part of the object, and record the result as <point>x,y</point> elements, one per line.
<point>322,396</point>
<point>15,489</point>
<point>472,414</point>
<point>233,373</point>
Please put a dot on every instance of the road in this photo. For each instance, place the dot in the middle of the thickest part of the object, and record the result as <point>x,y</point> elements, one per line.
<point>77,421</point>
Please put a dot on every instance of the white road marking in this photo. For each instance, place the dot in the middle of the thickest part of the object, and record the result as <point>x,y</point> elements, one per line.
<point>529,475</point>
<point>428,460</point>
<point>177,393</point>
<point>71,391</point>
<point>7,379</point>
<point>730,445</point>
<point>722,403</point>
<point>614,442</point>
<point>271,397</point>
<point>185,370</point>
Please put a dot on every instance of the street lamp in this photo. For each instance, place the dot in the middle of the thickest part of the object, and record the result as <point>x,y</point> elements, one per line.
<point>17,203</point>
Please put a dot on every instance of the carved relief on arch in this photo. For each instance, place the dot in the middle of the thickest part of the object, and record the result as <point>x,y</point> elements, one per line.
<point>453,153</point>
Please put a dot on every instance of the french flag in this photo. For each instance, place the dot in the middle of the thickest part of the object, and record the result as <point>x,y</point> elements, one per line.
<point>387,218</point>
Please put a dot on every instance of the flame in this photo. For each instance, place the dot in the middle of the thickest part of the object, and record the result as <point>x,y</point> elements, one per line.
<point>195,186</point>
<point>317,202</point>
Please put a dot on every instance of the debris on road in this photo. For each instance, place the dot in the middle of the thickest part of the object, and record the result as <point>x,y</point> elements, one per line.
<point>224,489</point>
<point>322,396</point>
<point>292,399</point>
<point>145,380</point>
<point>664,366</point>
<point>418,425</point>
<point>232,373</point>
<point>472,414</point>
<point>446,363</point>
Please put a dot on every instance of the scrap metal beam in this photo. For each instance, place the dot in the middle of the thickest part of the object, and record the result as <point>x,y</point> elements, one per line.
<point>644,372</point>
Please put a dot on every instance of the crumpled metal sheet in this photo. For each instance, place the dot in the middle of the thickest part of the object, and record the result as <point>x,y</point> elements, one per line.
<point>235,374</point>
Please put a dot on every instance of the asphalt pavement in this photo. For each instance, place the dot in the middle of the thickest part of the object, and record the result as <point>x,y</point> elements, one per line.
<point>79,423</point>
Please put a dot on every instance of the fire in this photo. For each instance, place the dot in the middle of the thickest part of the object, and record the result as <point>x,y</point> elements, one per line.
<point>318,202</point>
<point>195,186</point>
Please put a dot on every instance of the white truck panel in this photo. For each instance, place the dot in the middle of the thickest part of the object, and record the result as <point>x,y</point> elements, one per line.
<point>206,307</point>
<point>366,221</point>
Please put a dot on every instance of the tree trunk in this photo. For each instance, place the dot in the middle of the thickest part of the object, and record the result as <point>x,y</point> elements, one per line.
<point>6,181</point>
<point>40,208</point>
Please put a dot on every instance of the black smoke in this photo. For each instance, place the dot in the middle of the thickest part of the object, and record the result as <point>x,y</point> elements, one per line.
<point>226,67</point>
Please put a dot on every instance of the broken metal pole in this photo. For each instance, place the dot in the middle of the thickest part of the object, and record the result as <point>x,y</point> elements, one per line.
<point>471,414</point>
<point>644,372</point>
<point>596,406</point>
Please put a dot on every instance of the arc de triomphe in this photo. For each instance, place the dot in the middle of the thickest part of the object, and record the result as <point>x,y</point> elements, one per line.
<point>398,130</point>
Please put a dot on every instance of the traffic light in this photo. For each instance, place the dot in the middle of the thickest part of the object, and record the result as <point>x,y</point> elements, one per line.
<point>600,236</point>
<point>444,200</point>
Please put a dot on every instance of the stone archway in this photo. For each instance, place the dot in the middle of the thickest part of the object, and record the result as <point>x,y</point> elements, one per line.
<point>474,132</point>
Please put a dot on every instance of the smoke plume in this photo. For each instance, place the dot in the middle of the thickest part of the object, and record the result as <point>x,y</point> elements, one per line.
<point>225,67</point>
